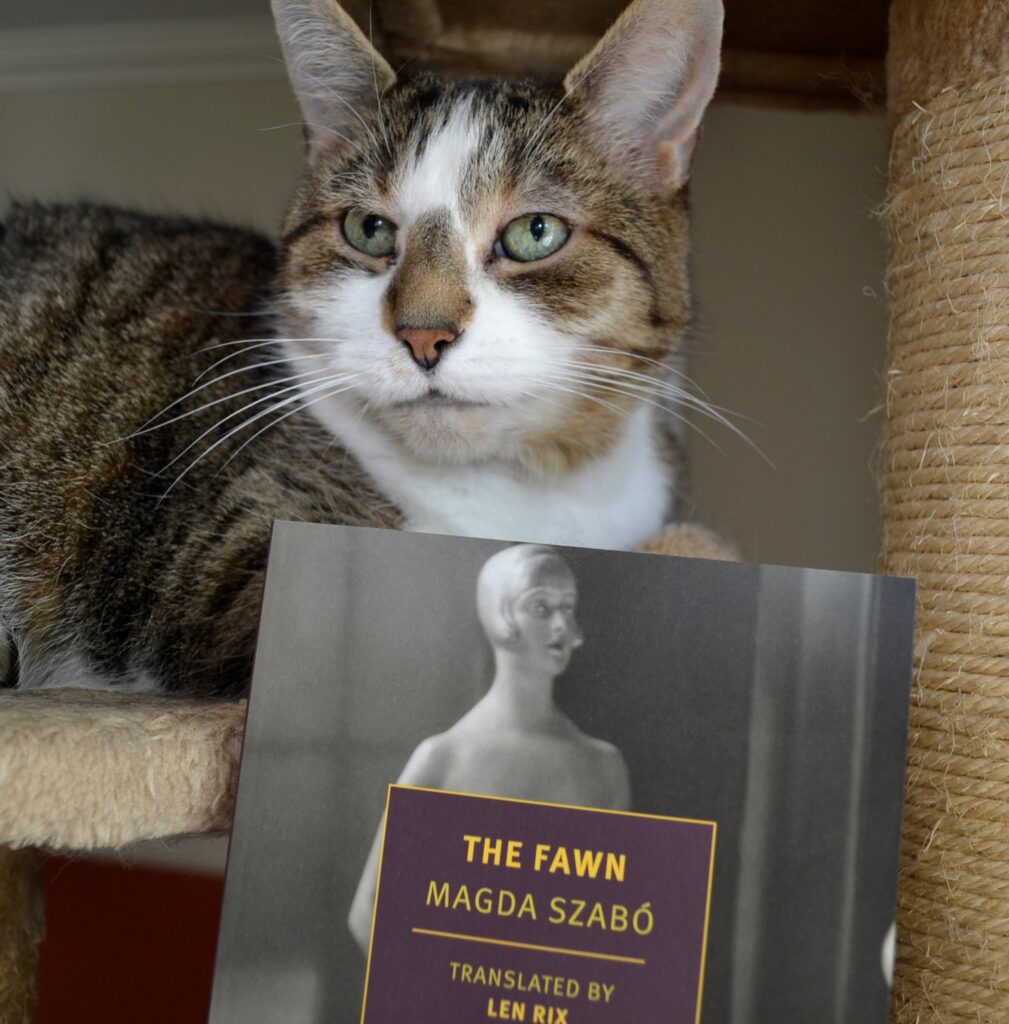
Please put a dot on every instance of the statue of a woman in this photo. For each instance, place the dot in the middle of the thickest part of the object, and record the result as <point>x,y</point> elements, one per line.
<point>515,742</point>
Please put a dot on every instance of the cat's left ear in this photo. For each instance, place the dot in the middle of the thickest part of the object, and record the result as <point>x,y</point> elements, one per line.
<point>338,76</point>
<point>647,82</point>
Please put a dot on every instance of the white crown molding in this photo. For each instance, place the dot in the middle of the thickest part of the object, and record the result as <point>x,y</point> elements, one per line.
<point>153,52</point>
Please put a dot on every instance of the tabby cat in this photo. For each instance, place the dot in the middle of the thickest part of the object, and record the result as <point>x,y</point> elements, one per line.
<point>467,327</point>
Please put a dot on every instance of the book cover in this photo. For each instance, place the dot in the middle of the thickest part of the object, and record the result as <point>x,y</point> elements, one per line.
<point>485,781</point>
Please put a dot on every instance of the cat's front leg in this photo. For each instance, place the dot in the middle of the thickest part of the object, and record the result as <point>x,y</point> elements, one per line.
<point>691,541</point>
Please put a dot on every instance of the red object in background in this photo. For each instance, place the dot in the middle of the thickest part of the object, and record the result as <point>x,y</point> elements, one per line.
<point>126,945</point>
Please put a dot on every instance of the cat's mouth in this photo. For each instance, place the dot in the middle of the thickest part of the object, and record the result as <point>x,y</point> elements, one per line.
<point>435,399</point>
<point>446,428</point>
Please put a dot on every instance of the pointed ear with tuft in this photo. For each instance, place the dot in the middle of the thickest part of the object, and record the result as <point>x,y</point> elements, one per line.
<point>647,82</point>
<point>338,76</point>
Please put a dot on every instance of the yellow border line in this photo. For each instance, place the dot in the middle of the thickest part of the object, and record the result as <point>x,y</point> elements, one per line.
<point>374,907</point>
<point>707,921</point>
<point>527,945</point>
<point>544,803</point>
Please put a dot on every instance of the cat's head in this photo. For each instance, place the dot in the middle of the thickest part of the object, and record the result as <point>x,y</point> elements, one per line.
<point>489,269</point>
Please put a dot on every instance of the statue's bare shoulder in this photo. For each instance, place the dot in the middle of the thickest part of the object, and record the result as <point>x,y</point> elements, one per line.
<point>429,763</point>
<point>613,769</point>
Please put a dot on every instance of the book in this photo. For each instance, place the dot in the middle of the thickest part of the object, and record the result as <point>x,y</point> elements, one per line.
<point>484,781</point>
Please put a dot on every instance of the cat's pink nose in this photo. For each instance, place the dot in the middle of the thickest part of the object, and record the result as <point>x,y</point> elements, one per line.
<point>426,344</point>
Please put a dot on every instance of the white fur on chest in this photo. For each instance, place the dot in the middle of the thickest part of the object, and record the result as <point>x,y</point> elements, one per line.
<point>618,501</point>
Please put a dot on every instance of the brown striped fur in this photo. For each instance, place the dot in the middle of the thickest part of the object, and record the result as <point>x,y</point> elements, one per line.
<point>429,289</point>
<point>106,318</point>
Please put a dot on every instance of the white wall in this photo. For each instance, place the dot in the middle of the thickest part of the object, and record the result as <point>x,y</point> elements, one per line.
<point>788,262</point>
<point>203,149</point>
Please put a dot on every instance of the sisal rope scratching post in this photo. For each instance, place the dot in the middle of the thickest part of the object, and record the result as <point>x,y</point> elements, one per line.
<point>946,496</point>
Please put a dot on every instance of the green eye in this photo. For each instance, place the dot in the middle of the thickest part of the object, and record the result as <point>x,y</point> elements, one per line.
<point>370,233</point>
<point>534,236</point>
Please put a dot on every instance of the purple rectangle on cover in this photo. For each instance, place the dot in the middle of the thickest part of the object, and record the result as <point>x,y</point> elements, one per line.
<point>498,909</point>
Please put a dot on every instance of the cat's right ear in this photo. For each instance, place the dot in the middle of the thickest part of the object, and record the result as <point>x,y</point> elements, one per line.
<point>338,76</point>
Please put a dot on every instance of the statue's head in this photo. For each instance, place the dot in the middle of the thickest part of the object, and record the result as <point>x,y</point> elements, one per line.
<point>525,598</point>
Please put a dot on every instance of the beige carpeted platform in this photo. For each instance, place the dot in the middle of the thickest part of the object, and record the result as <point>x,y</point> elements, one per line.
<point>80,770</point>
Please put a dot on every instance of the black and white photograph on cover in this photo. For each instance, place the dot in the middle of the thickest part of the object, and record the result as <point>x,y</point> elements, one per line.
<point>515,741</point>
<point>770,700</point>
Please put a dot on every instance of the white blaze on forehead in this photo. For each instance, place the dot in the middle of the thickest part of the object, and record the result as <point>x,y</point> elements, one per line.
<point>435,179</point>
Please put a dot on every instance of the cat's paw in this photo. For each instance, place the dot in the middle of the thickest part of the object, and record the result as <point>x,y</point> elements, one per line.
<point>691,541</point>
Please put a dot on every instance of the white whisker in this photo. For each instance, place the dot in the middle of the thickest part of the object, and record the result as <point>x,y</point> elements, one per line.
<point>656,385</point>
<point>234,355</point>
<point>273,423</point>
<point>225,398</point>
<point>259,343</point>
<point>666,388</point>
<point>224,419</point>
<point>552,379</point>
<point>634,392</point>
<point>658,363</point>
<point>647,393</point>
<point>634,389</point>
<point>217,380</point>
<point>245,423</point>
<point>265,343</point>
<point>230,344</point>
<point>287,124</point>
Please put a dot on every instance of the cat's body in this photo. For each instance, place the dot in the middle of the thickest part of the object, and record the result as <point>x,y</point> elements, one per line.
<point>107,580</point>
<point>467,328</point>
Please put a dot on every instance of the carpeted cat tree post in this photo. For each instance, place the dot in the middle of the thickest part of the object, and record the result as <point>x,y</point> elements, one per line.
<point>946,495</point>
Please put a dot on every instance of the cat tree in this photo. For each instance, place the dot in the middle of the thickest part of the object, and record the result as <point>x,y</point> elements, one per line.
<point>86,770</point>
